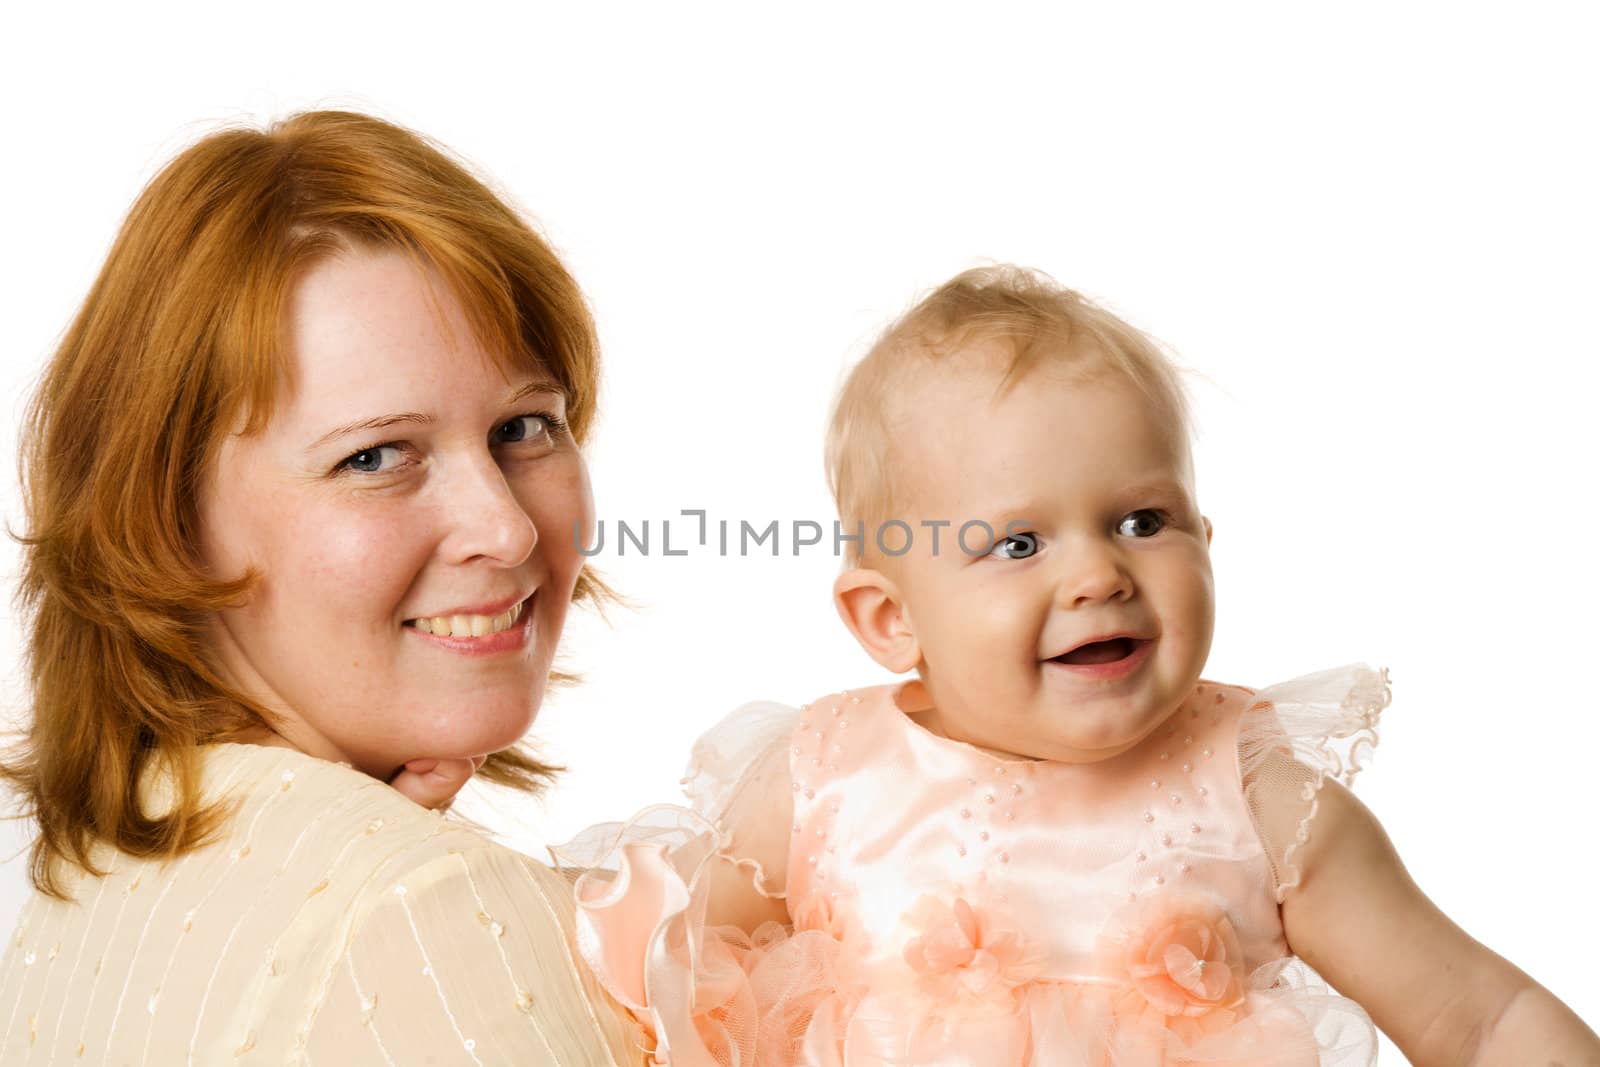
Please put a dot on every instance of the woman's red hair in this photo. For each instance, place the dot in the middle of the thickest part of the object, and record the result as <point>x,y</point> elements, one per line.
<point>176,345</point>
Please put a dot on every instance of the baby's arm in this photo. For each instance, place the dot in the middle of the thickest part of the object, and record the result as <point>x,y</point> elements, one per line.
<point>1365,926</point>
<point>756,827</point>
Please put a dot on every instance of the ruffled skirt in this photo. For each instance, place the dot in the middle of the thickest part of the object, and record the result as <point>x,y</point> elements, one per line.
<point>716,997</point>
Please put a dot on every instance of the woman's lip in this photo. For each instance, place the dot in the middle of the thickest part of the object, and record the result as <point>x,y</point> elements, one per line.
<point>1115,669</point>
<point>497,607</point>
<point>508,640</point>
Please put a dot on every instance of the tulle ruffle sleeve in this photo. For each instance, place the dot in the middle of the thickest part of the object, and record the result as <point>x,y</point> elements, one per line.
<point>732,770</point>
<point>709,995</point>
<point>1293,738</point>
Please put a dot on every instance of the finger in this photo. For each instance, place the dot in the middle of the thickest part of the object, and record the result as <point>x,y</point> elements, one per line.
<point>433,783</point>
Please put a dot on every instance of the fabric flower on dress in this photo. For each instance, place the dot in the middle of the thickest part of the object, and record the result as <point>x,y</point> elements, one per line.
<point>961,955</point>
<point>1184,967</point>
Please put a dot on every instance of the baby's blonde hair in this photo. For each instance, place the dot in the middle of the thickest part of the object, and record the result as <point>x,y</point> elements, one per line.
<point>1026,310</point>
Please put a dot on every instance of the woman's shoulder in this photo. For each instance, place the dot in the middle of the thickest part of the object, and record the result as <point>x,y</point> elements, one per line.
<point>332,851</point>
<point>410,921</point>
<point>321,885</point>
<point>416,931</point>
<point>359,835</point>
<point>346,841</point>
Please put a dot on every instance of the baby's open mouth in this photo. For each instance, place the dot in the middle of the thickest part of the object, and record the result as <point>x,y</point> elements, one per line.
<point>1099,651</point>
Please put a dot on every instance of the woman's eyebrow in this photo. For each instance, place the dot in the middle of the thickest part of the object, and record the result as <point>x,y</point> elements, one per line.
<point>538,385</point>
<point>377,422</point>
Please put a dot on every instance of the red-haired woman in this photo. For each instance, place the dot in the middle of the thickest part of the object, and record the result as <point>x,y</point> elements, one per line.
<point>303,486</point>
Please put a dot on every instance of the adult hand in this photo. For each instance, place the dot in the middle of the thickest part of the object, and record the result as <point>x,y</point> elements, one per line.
<point>434,783</point>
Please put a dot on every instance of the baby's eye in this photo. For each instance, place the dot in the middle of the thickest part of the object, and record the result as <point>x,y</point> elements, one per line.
<point>526,428</point>
<point>371,460</point>
<point>1016,546</point>
<point>1148,522</point>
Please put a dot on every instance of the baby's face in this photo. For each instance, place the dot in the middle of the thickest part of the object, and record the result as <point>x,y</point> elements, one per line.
<point>1117,546</point>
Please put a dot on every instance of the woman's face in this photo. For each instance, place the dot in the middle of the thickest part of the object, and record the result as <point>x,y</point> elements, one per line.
<point>414,519</point>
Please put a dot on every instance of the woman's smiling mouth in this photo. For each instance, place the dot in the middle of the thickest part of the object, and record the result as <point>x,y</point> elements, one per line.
<point>478,633</point>
<point>469,625</point>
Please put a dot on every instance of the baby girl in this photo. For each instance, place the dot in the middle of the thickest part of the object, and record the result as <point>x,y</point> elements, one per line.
<point>1057,843</point>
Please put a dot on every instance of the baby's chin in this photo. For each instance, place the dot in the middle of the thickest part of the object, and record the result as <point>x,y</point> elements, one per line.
<point>1026,741</point>
<point>1069,750</point>
<point>1086,742</point>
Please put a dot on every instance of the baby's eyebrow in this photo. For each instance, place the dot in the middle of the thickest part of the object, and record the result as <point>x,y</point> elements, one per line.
<point>1156,486</point>
<point>1021,513</point>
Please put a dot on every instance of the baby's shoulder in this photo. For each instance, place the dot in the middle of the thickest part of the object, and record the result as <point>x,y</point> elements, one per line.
<point>748,752</point>
<point>737,753</point>
<point>1294,738</point>
<point>1327,719</point>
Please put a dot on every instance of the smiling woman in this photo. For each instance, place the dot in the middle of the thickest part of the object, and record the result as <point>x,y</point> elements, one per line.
<point>393,508</point>
<point>302,483</point>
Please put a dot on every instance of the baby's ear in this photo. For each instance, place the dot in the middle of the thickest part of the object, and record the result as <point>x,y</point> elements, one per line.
<point>869,603</point>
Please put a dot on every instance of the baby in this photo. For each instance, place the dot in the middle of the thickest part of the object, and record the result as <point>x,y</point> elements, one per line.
<point>1057,843</point>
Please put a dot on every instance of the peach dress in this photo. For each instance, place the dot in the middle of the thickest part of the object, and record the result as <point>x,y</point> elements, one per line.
<point>949,907</point>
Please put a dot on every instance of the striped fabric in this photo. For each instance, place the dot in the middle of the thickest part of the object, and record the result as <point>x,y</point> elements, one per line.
<point>332,923</point>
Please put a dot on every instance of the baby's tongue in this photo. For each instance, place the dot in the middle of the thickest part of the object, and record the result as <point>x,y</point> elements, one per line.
<point>1099,651</point>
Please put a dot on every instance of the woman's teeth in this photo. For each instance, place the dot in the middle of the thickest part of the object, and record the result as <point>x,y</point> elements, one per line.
<point>470,625</point>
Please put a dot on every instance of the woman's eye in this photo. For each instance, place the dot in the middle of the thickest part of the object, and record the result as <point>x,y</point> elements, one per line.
<point>1017,546</point>
<point>1147,522</point>
<point>371,460</point>
<point>525,428</point>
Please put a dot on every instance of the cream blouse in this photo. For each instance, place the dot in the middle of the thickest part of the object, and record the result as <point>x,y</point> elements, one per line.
<point>333,922</point>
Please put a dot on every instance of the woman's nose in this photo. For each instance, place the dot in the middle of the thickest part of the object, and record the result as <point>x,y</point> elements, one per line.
<point>486,520</point>
<point>1092,571</point>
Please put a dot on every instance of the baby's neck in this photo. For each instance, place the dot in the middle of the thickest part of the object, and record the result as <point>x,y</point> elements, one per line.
<point>916,703</point>
<point>929,721</point>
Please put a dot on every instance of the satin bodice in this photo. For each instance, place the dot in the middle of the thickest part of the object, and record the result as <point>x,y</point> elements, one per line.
<point>887,813</point>
<point>951,907</point>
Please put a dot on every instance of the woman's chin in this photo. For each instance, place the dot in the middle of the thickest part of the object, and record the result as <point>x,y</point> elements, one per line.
<point>462,735</point>
<point>493,732</point>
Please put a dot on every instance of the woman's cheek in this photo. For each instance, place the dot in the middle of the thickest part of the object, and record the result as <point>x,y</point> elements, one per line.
<point>562,509</point>
<point>366,559</point>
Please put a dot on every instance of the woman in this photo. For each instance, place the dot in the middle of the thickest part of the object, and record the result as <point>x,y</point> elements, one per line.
<point>303,493</point>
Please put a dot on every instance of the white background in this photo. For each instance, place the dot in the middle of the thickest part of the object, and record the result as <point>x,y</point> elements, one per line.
<point>1374,229</point>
